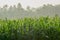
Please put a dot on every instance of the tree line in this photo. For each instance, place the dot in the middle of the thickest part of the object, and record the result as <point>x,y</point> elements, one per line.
<point>19,12</point>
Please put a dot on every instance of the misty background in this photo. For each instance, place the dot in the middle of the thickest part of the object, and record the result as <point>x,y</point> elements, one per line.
<point>13,9</point>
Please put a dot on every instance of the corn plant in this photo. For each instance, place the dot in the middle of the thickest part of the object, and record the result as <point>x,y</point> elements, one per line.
<point>43,28</point>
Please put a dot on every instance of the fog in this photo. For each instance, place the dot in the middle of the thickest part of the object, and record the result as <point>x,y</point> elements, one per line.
<point>31,3</point>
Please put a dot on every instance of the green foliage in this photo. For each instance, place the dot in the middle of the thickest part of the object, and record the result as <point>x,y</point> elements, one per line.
<point>44,28</point>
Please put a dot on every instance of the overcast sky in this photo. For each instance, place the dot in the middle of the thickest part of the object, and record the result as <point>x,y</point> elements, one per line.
<point>31,3</point>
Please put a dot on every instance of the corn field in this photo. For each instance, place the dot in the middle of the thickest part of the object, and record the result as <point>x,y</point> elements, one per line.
<point>43,28</point>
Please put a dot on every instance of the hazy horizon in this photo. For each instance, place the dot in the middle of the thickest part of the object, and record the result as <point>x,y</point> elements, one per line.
<point>31,3</point>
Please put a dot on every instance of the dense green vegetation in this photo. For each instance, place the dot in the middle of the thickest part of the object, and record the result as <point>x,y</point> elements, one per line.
<point>17,11</point>
<point>44,28</point>
<point>33,27</point>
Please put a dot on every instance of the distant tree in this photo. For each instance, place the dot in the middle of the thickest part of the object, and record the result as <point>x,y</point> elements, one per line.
<point>10,8</point>
<point>14,8</point>
<point>44,5</point>
<point>19,6</point>
<point>28,7</point>
<point>5,6</point>
<point>4,10</point>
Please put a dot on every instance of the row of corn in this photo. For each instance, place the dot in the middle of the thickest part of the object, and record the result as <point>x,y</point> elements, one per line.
<point>43,28</point>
